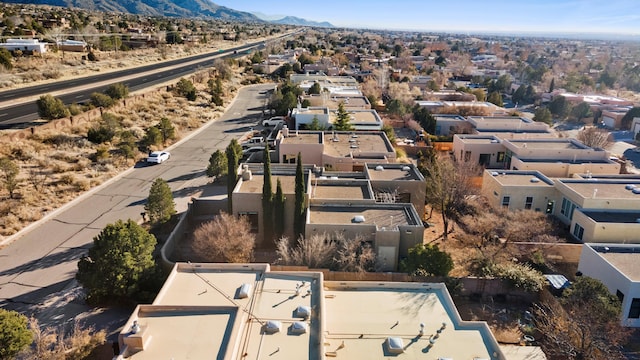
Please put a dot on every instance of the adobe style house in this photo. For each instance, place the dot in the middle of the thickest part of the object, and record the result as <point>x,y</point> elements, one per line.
<point>617,266</point>
<point>335,150</point>
<point>553,157</point>
<point>599,209</point>
<point>249,311</point>
<point>381,204</point>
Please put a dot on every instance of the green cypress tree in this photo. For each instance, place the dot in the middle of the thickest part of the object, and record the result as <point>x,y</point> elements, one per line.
<point>278,209</point>
<point>232,171</point>
<point>298,220</point>
<point>267,197</point>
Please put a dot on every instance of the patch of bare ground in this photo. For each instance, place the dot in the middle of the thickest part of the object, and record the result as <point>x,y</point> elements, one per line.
<point>57,166</point>
<point>460,253</point>
<point>504,319</point>
<point>59,65</point>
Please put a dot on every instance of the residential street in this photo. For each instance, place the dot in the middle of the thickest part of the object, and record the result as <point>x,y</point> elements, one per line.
<point>37,269</point>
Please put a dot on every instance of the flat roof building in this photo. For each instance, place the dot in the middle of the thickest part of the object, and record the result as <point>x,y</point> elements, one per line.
<point>333,100</point>
<point>247,311</point>
<point>360,119</point>
<point>618,267</point>
<point>393,192</point>
<point>336,150</point>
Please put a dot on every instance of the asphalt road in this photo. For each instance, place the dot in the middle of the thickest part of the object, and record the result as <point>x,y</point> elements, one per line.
<point>22,114</point>
<point>37,269</point>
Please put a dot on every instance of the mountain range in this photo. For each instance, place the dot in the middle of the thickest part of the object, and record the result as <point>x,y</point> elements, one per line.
<point>170,8</point>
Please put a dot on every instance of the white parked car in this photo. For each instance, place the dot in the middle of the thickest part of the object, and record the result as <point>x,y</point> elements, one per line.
<point>158,157</point>
<point>274,121</point>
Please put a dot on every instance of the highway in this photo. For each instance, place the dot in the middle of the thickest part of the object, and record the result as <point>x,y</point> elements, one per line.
<point>37,270</point>
<point>22,115</point>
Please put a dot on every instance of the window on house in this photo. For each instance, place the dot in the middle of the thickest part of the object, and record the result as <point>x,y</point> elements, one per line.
<point>567,208</point>
<point>578,231</point>
<point>528,202</point>
<point>505,201</point>
<point>467,155</point>
<point>620,295</point>
<point>634,310</point>
<point>500,158</point>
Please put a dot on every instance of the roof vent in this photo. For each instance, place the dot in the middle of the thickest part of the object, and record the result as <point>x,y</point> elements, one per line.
<point>358,219</point>
<point>494,141</point>
<point>495,173</point>
<point>379,168</point>
<point>534,180</point>
<point>298,327</point>
<point>395,345</point>
<point>334,178</point>
<point>246,174</point>
<point>406,168</point>
<point>303,311</point>
<point>244,291</point>
<point>322,177</point>
<point>272,327</point>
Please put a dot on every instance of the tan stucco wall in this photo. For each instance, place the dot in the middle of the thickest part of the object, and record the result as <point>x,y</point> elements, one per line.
<point>625,233</point>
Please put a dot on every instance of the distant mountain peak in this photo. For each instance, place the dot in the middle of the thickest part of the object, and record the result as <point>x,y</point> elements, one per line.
<point>172,8</point>
<point>292,20</point>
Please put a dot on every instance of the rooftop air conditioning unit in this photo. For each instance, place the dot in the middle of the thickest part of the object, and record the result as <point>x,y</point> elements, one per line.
<point>395,345</point>
<point>244,291</point>
<point>358,219</point>
<point>272,327</point>
<point>303,311</point>
<point>298,327</point>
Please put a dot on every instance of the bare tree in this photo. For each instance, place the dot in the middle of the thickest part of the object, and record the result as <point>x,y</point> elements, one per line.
<point>448,186</point>
<point>490,231</point>
<point>224,239</point>
<point>335,252</point>
<point>354,255</point>
<point>313,252</point>
<point>585,327</point>
<point>594,137</point>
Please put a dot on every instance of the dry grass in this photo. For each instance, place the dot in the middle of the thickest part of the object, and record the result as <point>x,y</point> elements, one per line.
<point>57,166</point>
<point>59,65</point>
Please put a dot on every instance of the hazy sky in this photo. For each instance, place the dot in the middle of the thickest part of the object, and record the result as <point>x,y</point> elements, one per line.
<point>576,16</point>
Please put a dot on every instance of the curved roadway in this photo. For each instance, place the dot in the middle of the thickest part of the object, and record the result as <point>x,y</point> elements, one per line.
<point>37,269</point>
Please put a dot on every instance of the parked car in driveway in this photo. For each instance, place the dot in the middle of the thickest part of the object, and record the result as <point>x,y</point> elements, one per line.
<point>254,141</point>
<point>274,121</point>
<point>157,157</point>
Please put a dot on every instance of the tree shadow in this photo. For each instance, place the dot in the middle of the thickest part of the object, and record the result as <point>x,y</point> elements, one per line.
<point>49,260</point>
<point>415,302</point>
<point>249,119</point>
<point>239,130</point>
<point>190,176</point>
